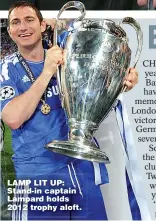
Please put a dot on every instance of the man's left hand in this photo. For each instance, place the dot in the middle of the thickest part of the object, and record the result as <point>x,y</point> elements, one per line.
<point>131,79</point>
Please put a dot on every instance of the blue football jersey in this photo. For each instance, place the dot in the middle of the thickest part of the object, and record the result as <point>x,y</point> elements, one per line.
<point>30,139</point>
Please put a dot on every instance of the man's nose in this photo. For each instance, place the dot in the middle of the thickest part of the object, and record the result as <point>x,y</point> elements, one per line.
<point>23,25</point>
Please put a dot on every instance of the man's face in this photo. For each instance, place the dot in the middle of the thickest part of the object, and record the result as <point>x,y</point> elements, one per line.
<point>25,28</point>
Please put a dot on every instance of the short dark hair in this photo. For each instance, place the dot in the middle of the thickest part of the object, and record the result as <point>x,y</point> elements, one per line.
<point>22,4</point>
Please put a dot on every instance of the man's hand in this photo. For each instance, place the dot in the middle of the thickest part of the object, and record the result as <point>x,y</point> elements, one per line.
<point>61,24</point>
<point>131,79</point>
<point>145,2</point>
<point>54,57</point>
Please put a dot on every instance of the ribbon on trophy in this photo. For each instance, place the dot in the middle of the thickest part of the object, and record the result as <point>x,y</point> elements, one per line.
<point>130,155</point>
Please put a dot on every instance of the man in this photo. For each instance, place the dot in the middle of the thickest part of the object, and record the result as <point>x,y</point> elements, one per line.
<point>24,105</point>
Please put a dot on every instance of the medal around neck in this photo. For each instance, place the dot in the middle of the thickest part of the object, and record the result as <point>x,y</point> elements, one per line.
<point>97,59</point>
<point>45,108</point>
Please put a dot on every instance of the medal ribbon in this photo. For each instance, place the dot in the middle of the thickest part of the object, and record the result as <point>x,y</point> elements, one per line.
<point>32,79</point>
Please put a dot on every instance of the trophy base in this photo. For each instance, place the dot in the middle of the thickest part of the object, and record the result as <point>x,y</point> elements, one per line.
<point>85,150</point>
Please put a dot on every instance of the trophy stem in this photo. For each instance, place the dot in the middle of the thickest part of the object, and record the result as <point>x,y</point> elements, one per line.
<point>80,143</point>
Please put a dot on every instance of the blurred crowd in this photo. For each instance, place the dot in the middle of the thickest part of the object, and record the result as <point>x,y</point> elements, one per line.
<point>3,23</point>
<point>7,45</point>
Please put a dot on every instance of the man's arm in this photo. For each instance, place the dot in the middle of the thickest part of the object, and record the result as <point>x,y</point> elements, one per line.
<point>21,108</point>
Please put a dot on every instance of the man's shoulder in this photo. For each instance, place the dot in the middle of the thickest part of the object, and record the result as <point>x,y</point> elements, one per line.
<point>9,67</point>
<point>10,59</point>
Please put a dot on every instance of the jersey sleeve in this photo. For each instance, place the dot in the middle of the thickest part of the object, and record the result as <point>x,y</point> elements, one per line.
<point>8,89</point>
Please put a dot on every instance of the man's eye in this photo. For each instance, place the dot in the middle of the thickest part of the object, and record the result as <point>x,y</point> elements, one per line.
<point>30,20</point>
<point>15,22</point>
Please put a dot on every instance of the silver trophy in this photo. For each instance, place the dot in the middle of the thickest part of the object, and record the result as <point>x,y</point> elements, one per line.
<point>97,59</point>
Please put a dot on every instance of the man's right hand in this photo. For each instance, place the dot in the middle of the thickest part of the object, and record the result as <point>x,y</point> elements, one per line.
<point>54,57</point>
<point>21,107</point>
<point>145,2</point>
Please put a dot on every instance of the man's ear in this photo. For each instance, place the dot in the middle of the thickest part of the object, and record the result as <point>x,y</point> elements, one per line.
<point>9,32</point>
<point>8,29</point>
<point>43,26</point>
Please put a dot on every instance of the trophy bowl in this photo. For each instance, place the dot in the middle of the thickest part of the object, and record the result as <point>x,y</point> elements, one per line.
<point>96,62</point>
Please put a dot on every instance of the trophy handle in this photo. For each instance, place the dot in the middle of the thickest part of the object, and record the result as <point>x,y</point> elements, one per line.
<point>74,4</point>
<point>136,26</point>
<point>71,4</point>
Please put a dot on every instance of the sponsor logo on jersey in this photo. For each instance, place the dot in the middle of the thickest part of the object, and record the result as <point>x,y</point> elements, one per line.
<point>53,91</point>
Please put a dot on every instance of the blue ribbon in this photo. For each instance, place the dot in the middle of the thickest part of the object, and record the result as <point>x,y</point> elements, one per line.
<point>130,155</point>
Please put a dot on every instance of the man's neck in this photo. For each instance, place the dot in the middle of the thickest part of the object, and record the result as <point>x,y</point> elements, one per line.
<point>32,53</point>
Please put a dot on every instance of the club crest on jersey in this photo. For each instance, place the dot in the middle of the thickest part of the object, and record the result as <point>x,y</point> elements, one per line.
<point>6,92</point>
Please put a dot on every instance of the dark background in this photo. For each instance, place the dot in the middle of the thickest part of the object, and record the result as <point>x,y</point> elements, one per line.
<point>89,4</point>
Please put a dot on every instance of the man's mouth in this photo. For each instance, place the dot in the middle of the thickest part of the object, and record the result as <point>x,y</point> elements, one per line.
<point>24,35</point>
